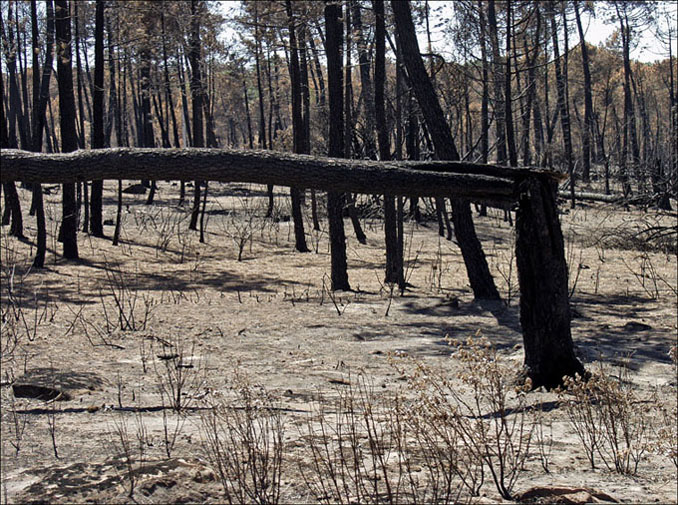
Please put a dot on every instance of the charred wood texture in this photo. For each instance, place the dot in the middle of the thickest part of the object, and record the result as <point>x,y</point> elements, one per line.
<point>542,274</point>
<point>409,178</point>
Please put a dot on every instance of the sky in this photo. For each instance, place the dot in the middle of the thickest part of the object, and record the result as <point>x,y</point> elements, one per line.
<point>596,31</point>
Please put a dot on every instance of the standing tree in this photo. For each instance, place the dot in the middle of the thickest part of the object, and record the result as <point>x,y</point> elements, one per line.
<point>12,204</point>
<point>98,138</point>
<point>563,100</point>
<point>333,43</point>
<point>40,108</point>
<point>394,259</point>
<point>194,58</point>
<point>69,137</point>
<point>588,129</point>
<point>297,127</point>
<point>478,271</point>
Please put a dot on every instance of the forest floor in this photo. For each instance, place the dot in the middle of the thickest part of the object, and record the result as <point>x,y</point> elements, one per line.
<point>284,389</point>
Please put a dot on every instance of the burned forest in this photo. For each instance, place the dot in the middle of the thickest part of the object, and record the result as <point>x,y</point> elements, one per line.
<point>339,251</point>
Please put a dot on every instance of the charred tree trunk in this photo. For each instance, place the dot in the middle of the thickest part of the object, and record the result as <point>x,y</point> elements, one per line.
<point>12,212</point>
<point>588,129</point>
<point>394,260</point>
<point>498,78</point>
<point>297,127</point>
<point>69,139</point>
<point>78,75</point>
<point>368,97</point>
<point>349,130</point>
<point>563,104</point>
<point>542,274</point>
<point>98,134</point>
<point>40,108</point>
<point>197,101</point>
<point>339,274</point>
<point>510,134</point>
<point>472,252</point>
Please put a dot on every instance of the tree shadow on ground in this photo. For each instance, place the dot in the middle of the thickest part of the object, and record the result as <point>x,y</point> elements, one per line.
<point>623,330</point>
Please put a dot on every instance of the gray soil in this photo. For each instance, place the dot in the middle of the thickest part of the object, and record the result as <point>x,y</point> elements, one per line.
<point>88,346</point>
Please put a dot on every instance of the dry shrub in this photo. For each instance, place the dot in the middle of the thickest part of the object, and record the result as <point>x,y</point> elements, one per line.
<point>357,449</point>
<point>433,448</point>
<point>179,373</point>
<point>243,441</point>
<point>667,429</point>
<point>484,421</point>
<point>610,421</point>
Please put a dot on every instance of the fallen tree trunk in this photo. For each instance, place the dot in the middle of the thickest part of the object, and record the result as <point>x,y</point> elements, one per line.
<point>429,178</point>
<point>592,197</point>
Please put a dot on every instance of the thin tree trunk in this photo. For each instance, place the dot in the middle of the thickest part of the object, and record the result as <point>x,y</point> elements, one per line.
<point>510,135</point>
<point>561,88</point>
<point>339,275</point>
<point>498,77</point>
<point>78,75</point>
<point>318,71</point>
<point>184,102</point>
<point>197,101</point>
<point>368,97</point>
<point>98,133</point>
<point>12,212</point>
<point>587,131</point>
<point>300,141</point>
<point>69,140</point>
<point>349,127</point>
<point>472,252</point>
<point>394,262</point>
<point>39,108</point>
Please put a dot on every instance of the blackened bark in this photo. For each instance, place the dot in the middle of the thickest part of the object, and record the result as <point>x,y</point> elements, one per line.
<point>484,104</point>
<point>563,103</point>
<point>587,131</point>
<point>542,274</point>
<point>297,128</point>
<point>472,181</point>
<point>318,71</point>
<point>472,252</point>
<point>510,136</point>
<point>394,262</point>
<point>78,75</point>
<point>531,91</point>
<point>35,46</point>
<point>69,139</point>
<point>4,136</point>
<point>260,87</point>
<point>168,88</point>
<point>339,274</point>
<point>349,127</point>
<point>368,97</point>
<point>115,112</point>
<point>188,141</point>
<point>12,212</point>
<point>498,78</point>
<point>197,101</point>
<point>348,91</point>
<point>40,108</point>
<point>630,132</point>
<point>412,148</point>
<point>250,136</point>
<point>98,138</point>
<point>305,91</point>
